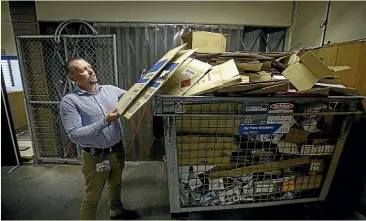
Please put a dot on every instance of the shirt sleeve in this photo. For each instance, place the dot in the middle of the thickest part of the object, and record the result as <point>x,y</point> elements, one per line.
<point>119,91</point>
<point>71,120</point>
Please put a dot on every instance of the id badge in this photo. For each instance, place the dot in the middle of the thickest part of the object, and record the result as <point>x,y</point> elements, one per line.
<point>105,165</point>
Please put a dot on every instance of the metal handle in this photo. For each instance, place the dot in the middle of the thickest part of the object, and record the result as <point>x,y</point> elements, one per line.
<point>65,23</point>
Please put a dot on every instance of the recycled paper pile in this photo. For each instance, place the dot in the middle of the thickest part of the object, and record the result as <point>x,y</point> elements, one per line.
<point>186,73</point>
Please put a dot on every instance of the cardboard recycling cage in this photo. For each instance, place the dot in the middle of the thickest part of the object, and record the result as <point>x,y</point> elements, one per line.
<point>239,152</point>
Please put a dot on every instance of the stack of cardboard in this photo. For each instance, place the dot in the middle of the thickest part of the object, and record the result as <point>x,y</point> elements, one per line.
<point>227,159</point>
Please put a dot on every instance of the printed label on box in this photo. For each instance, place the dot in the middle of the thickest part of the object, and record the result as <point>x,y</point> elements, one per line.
<point>245,129</point>
<point>255,119</point>
<point>256,107</point>
<point>281,108</point>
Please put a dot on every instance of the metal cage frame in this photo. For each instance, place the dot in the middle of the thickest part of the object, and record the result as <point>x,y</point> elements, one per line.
<point>170,108</point>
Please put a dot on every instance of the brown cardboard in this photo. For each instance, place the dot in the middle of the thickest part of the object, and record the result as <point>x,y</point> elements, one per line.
<point>249,66</point>
<point>188,74</point>
<point>147,93</point>
<point>193,154</point>
<point>305,69</point>
<point>204,161</point>
<point>206,42</point>
<point>260,168</point>
<point>308,182</point>
<point>205,143</point>
<point>247,55</point>
<point>271,89</point>
<point>212,108</point>
<point>132,94</point>
<point>249,87</point>
<point>296,136</point>
<point>260,76</point>
<point>208,125</point>
<point>219,75</point>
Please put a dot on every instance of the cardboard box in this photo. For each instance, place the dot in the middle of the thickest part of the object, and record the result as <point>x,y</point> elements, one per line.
<point>206,42</point>
<point>147,93</point>
<point>212,108</point>
<point>200,143</point>
<point>296,136</point>
<point>305,69</point>
<point>308,182</point>
<point>188,74</point>
<point>260,168</point>
<point>127,99</point>
<point>254,66</point>
<point>221,75</point>
<point>208,125</point>
<point>193,154</point>
<point>251,86</point>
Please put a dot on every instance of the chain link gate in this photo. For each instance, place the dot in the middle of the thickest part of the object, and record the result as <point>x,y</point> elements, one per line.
<point>41,61</point>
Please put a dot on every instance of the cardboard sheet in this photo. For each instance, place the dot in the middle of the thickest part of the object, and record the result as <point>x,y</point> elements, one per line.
<point>187,75</point>
<point>305,69</point>
<point>220,75</point>
<point>147,93</point>
<point>127,99</point>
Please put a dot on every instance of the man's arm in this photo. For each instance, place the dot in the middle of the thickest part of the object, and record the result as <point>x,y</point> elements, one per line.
<point>71,120</point>
<point>119,91</point>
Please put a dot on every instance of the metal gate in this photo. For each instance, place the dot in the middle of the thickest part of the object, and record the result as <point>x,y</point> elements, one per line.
<point>41,61</point>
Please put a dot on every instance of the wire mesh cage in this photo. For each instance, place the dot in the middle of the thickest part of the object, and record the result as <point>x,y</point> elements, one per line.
<point>45,82</point>
<point>225,153</point>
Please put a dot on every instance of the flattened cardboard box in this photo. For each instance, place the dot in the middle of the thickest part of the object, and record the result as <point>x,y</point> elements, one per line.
<point>187,75</point>
<point>126,100</point>
<point>260,168</point>
<point>220,75</point>
<point>157,82</point>
<point>206,42</point>
<point>208,125</point>
<point>305,69</point>
<point>201,143</point>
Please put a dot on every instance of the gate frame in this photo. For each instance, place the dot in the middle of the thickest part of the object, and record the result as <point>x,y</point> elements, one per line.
<point>36,151</point>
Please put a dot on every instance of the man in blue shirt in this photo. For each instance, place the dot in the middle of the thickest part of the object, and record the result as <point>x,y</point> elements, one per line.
<point>89,117</point>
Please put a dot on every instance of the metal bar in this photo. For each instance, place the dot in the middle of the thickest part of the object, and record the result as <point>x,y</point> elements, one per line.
<point>44,102</point>
<point>115,61</point>
<point>249,205</point>
<point>251,99</point>
<point>335,158</point>
<point>69,36</point>
<point>27,99</point>
<point>154,25</point>
<point>262,114</point>
<point>171,152</point>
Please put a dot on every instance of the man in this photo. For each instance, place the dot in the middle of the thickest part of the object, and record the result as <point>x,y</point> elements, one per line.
<point>91,121</point>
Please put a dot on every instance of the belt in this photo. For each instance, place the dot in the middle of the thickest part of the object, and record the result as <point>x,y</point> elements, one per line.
<point>113,148</point>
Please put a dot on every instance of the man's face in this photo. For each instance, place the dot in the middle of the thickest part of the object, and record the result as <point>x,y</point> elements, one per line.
<point>82,73</point>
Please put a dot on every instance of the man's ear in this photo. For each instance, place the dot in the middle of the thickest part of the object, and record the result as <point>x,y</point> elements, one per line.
<point>71,76</point>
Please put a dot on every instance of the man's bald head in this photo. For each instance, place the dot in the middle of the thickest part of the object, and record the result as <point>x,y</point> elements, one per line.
<point>81,72</point>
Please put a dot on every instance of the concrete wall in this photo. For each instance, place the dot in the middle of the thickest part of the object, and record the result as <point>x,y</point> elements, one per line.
<point>247,13</point>
<point>346,22</point>
<point>7,34</point>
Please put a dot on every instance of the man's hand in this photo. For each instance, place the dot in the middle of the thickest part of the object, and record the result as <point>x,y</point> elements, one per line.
<point>112,116</point>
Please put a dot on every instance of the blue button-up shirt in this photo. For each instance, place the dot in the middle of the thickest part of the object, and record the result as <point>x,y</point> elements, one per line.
<point>83,114</point>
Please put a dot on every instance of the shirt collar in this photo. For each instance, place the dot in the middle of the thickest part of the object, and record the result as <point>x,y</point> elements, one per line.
<point>81,91</point>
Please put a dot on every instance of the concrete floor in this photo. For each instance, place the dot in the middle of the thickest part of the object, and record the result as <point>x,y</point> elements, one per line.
<point>55,192</point>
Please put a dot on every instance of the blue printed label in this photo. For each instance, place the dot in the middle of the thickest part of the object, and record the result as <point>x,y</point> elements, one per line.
<point>245,129</point>
<point>157,66</point>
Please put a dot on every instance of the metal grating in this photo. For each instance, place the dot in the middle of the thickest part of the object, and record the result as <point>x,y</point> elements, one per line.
<point>225,153</point>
